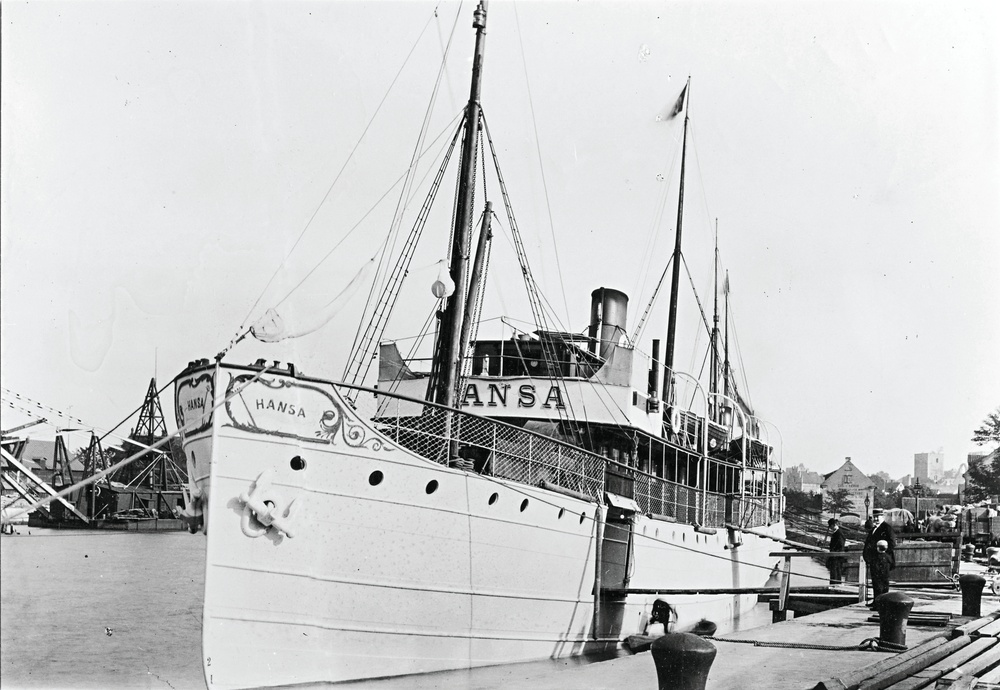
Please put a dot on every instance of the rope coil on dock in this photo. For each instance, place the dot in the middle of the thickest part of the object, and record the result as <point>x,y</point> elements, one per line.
<point>871,644</point>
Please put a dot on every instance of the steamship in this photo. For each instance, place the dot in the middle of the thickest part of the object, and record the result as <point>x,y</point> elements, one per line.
<point>519,498</point>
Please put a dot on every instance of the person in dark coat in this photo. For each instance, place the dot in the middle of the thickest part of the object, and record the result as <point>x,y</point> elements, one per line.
<point>835,564</point>
<point>880,563</point>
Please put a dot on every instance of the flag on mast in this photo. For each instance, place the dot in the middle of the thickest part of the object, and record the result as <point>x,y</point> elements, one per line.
<point>679,105</point>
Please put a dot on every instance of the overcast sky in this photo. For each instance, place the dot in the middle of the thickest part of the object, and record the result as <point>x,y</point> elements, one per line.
<point>159,160</point>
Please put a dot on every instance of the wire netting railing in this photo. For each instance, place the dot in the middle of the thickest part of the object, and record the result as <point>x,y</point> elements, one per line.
<point>501,450</point>
<point>484,445</point>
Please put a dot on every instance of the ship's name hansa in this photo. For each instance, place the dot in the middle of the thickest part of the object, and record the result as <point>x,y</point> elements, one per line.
<point>497,395</point>
<point>280,406</point>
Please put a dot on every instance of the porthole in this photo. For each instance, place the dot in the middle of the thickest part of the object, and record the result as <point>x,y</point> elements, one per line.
<point>432,486</point>
<point>657,532</point>
<point>297,463</point>
<point>684,537</point>
<point>375,478</point>
<point>524,505</point>
<point>493,498</point>
<point>562,511</point>
<point>644,530</point>
<point>583,516</point>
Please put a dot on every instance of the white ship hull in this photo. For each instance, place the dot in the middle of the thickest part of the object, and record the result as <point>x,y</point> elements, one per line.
<point>397,564</point>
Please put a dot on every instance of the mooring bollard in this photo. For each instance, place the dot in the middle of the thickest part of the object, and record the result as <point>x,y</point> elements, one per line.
<point>893,611</point>
<point>682,661</point>
<point>967,552</point>
<point>972,594</point>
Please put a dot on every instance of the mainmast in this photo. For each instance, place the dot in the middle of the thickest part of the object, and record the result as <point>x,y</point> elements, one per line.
<point>725,365</point>
<point>668,358</point>
<point>450,345</point>
<point>713,381</point>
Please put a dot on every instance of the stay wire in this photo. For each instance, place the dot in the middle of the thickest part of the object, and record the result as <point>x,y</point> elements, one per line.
<point>87,427</point>
<point>329,190</point>
<point>97,476</point>
<point>541,166</point>
<point>355,227</point>
<point>402,202</point>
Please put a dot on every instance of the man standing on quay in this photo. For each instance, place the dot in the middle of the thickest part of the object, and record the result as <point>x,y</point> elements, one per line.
<point>837,542</point>
<point>873,559</point>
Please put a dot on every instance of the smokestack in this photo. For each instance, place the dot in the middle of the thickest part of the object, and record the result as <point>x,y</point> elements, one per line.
<point>608,313</point>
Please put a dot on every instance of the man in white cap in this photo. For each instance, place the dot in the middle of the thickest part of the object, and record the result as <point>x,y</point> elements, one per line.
<point>875,560</point>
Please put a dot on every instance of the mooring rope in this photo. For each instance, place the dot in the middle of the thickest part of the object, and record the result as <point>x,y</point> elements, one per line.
<point>870,644</point>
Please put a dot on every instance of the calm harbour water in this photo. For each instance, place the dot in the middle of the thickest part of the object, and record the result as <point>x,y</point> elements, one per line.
<point>62,591</point>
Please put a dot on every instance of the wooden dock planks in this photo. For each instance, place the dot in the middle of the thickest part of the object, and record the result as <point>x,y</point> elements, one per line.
<point>967,653</point>
<point>927,676</point>
<point>977,666</point>
<point>990,629</point>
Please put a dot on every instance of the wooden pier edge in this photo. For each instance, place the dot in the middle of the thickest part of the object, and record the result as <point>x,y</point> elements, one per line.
<point>885,672</point>
<point>853,679</point>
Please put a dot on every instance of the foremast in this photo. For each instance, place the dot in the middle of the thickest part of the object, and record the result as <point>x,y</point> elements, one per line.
<point>668,355</point>
<point>450,350</point>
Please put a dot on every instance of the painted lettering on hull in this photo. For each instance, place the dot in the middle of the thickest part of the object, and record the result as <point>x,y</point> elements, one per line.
<point>481,394</point>
<point>289,408</point>
<point>280,406</point>
<point>194,400</point>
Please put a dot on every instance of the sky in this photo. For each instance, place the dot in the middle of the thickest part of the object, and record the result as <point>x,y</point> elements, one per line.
<point>170,170</point>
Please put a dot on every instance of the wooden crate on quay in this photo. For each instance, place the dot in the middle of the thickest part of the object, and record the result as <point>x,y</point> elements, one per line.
<point>919,561</point>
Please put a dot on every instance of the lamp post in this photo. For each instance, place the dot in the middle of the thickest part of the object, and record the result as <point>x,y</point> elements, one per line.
<point>868,502</point>
<point>917,492</point>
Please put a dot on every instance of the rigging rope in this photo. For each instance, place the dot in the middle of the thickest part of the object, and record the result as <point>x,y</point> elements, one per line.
<point>652,300</point>
<point>240,332</point>
<point>739,357</point>
<point>870,644</point>
<point>549,356</point>
<point>360,361</point>
<point>144,449</point>
<point>651,237</point>
<point>541,167</point>
<point>402,202</point>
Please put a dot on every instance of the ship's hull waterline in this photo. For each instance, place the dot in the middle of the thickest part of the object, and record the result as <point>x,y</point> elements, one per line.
<point>383,563</point>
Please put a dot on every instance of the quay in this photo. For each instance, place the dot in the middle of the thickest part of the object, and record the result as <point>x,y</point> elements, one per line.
<point>821,651</point>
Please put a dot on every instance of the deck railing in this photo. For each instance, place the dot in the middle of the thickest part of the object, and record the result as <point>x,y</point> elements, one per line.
<point>501,450</point>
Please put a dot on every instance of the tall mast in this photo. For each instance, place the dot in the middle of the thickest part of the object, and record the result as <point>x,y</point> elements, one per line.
<point>668,358</point>
<point>725,366</point>
<point>713,381</point>
<point>450,348</point>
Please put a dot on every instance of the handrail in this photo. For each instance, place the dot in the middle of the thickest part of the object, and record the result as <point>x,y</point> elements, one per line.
<point>703,466</point>
<point>781,450</point>
<point>526,456</point>
<point>743,446</point>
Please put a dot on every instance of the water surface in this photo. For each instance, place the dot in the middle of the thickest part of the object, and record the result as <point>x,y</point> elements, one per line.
<point>110,610</point>
<point>89,609</point>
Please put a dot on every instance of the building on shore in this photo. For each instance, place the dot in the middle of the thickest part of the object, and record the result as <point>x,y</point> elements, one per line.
<point>928,467</point>
<point>860,489</point>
